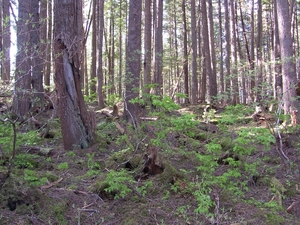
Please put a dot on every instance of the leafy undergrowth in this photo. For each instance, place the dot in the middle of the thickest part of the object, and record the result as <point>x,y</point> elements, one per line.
<point>209,168</point>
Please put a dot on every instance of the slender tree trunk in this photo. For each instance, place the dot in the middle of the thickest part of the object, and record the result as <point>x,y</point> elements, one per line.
<point>277,67</point>
<point>49,51</point>
<point>94,48</point>
<point>111,53</point>
<point>68,49</point>
<point>100,60</point>
<point>6,41</point>
<point>22,102</point>
<point>185,54</point>
<point>194,94</point>
<point>36,56</point>
<point>206,50</point>
<point>147,47</point>
<point>234,75</point>
<point>158,48</point>
<point>120,53</point>
<point>252,67</point>
<point>1,39</point>
<point>213,76</point>
<point>259,46</point>
<point>43,37</point>
<point>228,50</point>
<point>221,48</point>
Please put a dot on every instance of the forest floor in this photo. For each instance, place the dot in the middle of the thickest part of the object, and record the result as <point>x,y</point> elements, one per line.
<point>185,166</point>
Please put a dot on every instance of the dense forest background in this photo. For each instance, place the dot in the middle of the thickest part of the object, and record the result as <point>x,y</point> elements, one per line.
<point>171,112</point>
<point>224,51</point>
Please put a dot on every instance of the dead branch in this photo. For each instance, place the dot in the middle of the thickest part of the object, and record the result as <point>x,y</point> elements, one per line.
<point>52,184</point>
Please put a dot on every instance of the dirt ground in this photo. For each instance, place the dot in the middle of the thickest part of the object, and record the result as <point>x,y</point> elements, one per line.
<point>74,191</point>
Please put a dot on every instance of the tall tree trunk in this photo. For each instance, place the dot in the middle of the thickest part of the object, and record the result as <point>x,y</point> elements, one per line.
<point>221,48</point>
<point>6,41</point>
<point>36,56</point>
<point>43,38</point>
<point>259,46</point>
<point>277,67</point>
<point>120,78</point>
<point>213,76</point>
<point>228,51</point>
<point>234,75</point>
<point>1,38</point>
<point>206,50</point>
<point>133,62</point>
<point>111,53</point>
<point>158,48</point>
<point>22,103</point>
<point>94,49</point>
<point>185,54</point>
<point>100,76</point>
<point>48,42</point>
<point>288,66</point>
<point>194,94</point>
<point>147,47</point>
<point>252,66</point>
<point>68,49</point>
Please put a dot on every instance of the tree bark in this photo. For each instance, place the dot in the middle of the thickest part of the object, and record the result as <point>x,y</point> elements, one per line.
<point>206,50</point>
<point>277,67</point>
<point>22,102</point>
<point>221,49</point>
<point>194,94</point>
<point>185,54</point>
<point>100,60</point>
<point>94,48</point>
<point>68,49</point>
<point>288,66</point>
<point>6,41</point>
<point>158,48</point>
<point>234,75</point>
<point>133,62</point>
<point>228,51</point>
<point>213,76</point>
<point>147,47</point>
<point>36,60</point>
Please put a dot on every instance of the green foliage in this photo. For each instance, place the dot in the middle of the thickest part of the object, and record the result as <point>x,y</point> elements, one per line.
<point>232,114</point>
<point>71,154</point>
<point>59,211</point>
<point>118,183</point>
<point>63,166</point>
<point>165,103</point>
<point>31,138</point>
<point>112,99</point>
<point>185,123</point>
<point>6,142</point>
<point>91,162</point>
<point>33,178</point>
<point>182,211</point>
<point>92,97</point>
<point>26,161</point>
<point>145,187</point>
<point>249,137</point>
<point>6,134</point>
